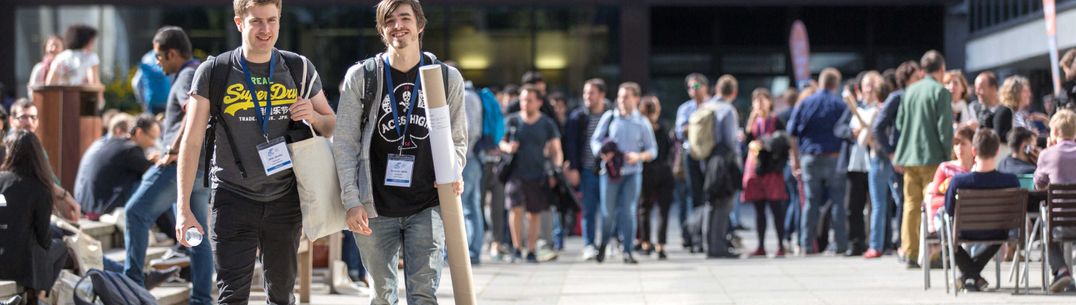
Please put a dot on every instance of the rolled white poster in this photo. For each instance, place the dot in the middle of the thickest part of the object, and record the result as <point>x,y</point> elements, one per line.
<point>447,172</point>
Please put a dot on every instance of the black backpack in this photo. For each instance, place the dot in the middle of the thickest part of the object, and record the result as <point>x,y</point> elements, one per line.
<point>113,288</point>
<point>218,79</point>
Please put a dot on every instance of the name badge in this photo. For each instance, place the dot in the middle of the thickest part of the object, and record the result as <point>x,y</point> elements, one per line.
<point>3,200</point>
<point>275,156</point>
<point>399,169</point>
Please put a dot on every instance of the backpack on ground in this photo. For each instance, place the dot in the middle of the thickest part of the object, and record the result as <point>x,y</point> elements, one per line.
<point>111,288</point>
<point>700,132</point>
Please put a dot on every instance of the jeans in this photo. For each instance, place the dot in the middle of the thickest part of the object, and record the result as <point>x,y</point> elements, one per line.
<point>350,255</point>
<point>682,198</point>
<point>823,182</point>
<point>157,195</point>
<point>792,215</point>
<point>422,237</point>
<point>591,188</point>
<point>619,200</point>
<point>882,190</point>
<point>472,207</point>
<point>241,226</point>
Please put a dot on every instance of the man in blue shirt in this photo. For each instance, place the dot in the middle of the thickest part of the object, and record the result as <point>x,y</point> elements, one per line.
<point>812,124</point>
<point>698,89</point>
<point>985,176</point>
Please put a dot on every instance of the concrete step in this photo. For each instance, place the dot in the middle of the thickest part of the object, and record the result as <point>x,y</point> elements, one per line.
<point>119,255</point>
<point>7,289</point>
<point>171,294</point>
<point>104,232</point>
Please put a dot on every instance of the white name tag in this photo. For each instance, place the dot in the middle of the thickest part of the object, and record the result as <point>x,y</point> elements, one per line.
<point>399,169</point>
<point>3,200</point>
<point>275,156</point>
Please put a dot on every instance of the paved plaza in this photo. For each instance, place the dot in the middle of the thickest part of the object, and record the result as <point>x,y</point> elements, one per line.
<point>691,279</point>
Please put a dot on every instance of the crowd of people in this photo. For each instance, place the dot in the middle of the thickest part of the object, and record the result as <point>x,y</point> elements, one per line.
<point>843,166</point>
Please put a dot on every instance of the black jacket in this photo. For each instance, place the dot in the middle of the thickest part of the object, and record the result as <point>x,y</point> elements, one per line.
<point>24,226</point>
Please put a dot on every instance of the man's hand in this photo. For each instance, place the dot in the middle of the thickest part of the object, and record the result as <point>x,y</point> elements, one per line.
<point>167,160</point>
<point>572,176</point>
<point>607,157</point>
<point>631,157</point>
<point>303,109</point>
<point>358,221</point>
<point>509,147</point>
<point>154,157</point>
<point>184,221</point>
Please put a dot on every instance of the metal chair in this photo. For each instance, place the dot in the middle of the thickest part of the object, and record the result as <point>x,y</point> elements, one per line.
<point>985,210</point>
<point>1059,213</point>
<point>926,239</point>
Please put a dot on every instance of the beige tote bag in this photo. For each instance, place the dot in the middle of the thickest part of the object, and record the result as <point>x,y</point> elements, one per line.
<point>319,187</point>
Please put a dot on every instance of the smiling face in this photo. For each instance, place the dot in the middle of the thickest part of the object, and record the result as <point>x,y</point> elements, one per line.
<point>401,28</point>
<point>260,26</point>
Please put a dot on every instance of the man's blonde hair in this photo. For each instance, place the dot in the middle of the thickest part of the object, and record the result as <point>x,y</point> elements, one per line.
<point>241,7</point>
<point>1064,121</point>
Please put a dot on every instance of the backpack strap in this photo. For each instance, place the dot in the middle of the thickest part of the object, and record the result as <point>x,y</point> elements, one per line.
<point>369,68</point>
<point>218,77</point>
<point>370,81</point>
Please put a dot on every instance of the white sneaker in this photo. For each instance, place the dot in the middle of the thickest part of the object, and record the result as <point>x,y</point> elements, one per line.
<point>589,252</point>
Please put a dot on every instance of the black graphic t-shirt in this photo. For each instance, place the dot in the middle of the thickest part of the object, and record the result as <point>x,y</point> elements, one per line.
<point>395,201</point>
<point>237,110</point>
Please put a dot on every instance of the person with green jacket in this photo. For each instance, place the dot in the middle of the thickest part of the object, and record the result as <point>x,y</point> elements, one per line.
<point>926,138</point>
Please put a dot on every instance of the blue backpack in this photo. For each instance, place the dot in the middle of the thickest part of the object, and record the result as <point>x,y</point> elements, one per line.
<point>155,84</point>
<point>492,121</point>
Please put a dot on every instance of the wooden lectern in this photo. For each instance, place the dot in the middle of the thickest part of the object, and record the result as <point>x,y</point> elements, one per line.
<point>67,124</point>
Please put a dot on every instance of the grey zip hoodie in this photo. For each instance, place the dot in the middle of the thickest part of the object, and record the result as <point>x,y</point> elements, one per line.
<point>351,147</point>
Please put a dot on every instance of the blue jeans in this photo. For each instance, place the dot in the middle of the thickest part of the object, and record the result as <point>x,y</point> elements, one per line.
<point>823,182</point>
<point>350,254</point>
<point>792,215</point>
<point>473,218</point>
<point>882,189</point>
<point>619,207</point>
<point>591,188</point>
<point>422,237</point>
<point>682,198</point>
<point>157,195</point>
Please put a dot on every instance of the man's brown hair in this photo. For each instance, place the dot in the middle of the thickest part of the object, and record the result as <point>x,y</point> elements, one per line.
<point>986,143</point>
<point>905,72</point>
<point>830,78</point>
<point>597,83</point>
<point>727,85</point>
<point>932,61</point>
<point>386,7</point>
<point>241,7</point>
<point>632,87</point>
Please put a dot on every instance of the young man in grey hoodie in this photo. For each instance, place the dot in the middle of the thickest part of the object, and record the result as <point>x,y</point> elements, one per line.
<point>384,159</point>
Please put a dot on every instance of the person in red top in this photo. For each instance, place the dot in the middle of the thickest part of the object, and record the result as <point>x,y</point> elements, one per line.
<point>763,177</point>
<point>965,159</point>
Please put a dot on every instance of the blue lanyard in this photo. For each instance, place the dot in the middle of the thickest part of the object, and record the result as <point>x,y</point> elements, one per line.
<point>392,101</point>
<point>262,119</point>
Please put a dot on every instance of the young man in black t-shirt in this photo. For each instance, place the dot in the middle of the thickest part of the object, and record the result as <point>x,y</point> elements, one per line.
<point>254,196</point>
<point>384,158</point>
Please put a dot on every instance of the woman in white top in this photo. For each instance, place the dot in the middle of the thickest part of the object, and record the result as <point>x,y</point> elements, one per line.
<point>958,87</point>
<point>53,45</point>
<point>78,64</point>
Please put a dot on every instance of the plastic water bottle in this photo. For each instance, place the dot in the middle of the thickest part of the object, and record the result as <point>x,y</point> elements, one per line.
<point>193,237</point>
